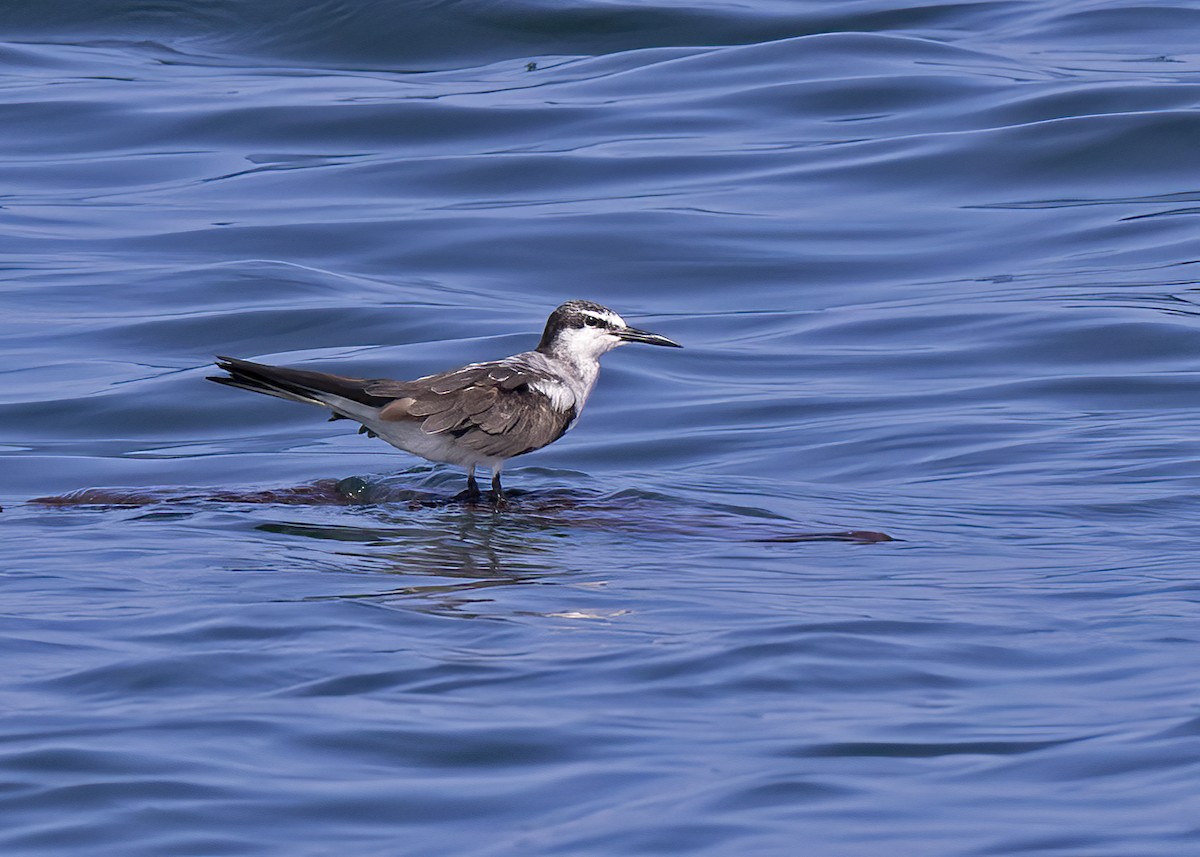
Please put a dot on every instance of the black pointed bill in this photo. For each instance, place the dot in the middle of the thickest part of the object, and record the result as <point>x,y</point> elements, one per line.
<point>632,334</point>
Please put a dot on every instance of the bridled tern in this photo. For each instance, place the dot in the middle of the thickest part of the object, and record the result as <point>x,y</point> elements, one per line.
<point>479,415</point>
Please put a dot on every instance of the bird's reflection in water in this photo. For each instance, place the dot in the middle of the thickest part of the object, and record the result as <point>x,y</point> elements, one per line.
<point>447,553</point>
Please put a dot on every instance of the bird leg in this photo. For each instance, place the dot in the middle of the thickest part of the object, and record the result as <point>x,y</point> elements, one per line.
<point>497,489</point>
<point>472,492</point>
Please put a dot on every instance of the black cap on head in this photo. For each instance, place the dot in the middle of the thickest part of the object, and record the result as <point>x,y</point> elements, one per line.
<point>577,314</point>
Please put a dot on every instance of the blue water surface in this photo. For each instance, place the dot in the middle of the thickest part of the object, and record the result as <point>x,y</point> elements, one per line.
<point>935,266</point>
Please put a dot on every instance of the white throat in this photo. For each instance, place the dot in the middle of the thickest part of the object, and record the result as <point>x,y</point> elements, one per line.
<point>579,366</point>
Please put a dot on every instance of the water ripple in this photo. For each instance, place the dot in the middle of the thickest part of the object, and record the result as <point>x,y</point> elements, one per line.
<point>934,269</point>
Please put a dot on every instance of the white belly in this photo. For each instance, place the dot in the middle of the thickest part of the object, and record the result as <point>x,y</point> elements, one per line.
<point>446,448</point>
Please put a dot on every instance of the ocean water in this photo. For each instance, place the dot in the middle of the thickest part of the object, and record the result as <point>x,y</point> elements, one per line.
<point>935,269</point>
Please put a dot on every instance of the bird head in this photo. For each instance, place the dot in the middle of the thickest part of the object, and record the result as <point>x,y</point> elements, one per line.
<point>585,330</point>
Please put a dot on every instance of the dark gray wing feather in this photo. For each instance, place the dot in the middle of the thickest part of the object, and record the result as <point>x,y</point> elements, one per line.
<point>490,407</point>
<point>386,389</point>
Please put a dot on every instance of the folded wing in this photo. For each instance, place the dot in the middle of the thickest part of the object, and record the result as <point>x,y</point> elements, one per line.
<point>493,408</point>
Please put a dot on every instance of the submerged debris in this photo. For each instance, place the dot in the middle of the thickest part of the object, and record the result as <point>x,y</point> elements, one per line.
<point>593,510</point>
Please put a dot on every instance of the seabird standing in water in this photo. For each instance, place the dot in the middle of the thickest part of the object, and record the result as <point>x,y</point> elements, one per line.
<point>479,415</point>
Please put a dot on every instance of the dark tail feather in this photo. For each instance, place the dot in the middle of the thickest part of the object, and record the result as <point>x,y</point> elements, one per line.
<point>297,385</point>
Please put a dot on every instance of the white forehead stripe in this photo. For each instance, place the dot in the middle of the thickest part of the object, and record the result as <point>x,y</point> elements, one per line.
<point>610,317</point>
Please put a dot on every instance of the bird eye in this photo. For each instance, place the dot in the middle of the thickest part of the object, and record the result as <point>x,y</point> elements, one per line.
<point>592,322</point>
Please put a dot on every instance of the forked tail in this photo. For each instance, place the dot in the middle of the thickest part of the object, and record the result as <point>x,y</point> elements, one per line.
<point>298,385</point>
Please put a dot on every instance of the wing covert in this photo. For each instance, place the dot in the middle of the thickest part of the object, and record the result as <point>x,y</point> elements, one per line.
<point>496,408</point>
